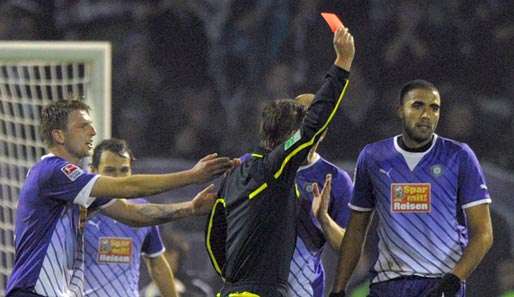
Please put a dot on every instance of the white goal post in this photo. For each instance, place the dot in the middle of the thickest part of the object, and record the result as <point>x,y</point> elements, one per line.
<point>33,74</point>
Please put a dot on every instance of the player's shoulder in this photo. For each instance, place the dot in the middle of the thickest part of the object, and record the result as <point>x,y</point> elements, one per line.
<point>379,149</point>
<point>452,146</point>
<point>330,167</point>
<point>46,166</point>
<point>60,169</point>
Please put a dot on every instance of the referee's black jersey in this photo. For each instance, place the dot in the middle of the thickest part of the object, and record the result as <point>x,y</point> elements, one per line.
<point>260,203</point>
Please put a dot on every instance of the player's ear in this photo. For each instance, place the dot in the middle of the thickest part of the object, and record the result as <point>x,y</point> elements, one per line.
<point>58,136</point>
<point>399,111</point>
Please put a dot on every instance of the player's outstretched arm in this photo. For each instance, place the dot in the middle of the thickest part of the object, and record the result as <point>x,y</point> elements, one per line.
<point>333,232</point>
<point>149,214</point>
<point>150,184</point>
<point>350,250</point>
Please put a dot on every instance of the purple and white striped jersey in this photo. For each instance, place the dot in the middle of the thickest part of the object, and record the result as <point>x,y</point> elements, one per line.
<point>419,199</point>
<point>306,275</point>
<point>49,228</point>
<point>113,252</point>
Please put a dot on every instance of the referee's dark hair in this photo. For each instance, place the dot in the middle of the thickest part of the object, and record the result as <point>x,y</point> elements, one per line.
<point>113,145</point>
<point>279,119</point>
<point>416,84</point>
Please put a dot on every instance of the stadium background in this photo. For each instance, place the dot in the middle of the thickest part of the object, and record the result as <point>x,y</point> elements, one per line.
<point>189,78</point>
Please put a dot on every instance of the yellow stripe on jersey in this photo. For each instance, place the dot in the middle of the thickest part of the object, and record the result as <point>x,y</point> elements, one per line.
<point>243,294</point>
<point>208,239</point>
<point>297,190</point>
<point>258,190</point>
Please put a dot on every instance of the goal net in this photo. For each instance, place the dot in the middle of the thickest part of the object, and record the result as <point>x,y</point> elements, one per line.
<point>32,74</point>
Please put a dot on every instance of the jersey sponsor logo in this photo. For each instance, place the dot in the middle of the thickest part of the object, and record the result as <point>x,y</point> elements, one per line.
<point>411,198</point>
<point>72,171</point>
<point>114,250</point>
<point>291,141</point>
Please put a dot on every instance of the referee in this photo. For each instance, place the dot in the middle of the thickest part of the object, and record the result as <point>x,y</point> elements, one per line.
<point>251,230</point>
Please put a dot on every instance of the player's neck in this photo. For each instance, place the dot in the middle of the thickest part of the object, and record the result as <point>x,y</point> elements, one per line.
<point>311,157</point>
<point>61,152</point>
<point>413,146</point>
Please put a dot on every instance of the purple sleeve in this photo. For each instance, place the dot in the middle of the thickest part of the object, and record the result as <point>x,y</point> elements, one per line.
<point>362,197</point>
<point>153,246</point>
<point>472,187</point>
<point>341,193</point>
<point>70,183</point>
<point>245,157</point>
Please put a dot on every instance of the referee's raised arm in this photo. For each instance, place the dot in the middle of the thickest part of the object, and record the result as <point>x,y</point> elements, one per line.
<point>322,110</point>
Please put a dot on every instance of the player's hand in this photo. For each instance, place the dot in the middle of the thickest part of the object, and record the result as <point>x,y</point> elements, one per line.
<point>236,162</point>
<point>344,47</point>
<point>203,201</point>
<point>211,166</point>
<point>449,286</point>
<point>321,201</point>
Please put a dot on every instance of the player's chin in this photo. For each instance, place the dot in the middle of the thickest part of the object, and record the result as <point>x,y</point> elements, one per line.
<point>423,136</point>
<point>86,153</point>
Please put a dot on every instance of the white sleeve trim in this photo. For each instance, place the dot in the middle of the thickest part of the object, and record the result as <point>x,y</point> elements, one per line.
<point>154,255</point>
<point>83,198</point>
<point>478,202</point>
<point>358,208</point>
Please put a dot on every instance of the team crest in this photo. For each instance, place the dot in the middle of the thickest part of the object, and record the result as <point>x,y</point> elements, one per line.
<point>72,171</point>
<point>436,170</point>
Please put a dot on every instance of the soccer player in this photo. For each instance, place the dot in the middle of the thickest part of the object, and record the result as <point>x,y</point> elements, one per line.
<point>428,192</point>
<point>53,200</point>
<point>113,249</point>
<point>254,253</point>
<point>319,220</point>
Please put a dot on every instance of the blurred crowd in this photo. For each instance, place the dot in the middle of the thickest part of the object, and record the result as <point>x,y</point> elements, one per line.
<point>189,77</point>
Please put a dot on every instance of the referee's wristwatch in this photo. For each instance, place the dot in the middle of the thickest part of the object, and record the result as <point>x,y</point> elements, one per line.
<point>338,294</point>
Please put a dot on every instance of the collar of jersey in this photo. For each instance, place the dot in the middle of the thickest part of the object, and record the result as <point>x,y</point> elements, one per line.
<point>49,155</point>
<point>406,153</point>
<point>317,157</point>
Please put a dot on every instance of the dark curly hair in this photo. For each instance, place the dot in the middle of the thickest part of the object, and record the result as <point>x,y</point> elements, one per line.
<point>279,119</point>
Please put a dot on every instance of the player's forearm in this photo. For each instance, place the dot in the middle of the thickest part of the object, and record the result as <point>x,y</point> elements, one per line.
<point>333,232</point>
<point>150,214</point>
<point>154,184</point>
<point>478,246</point>
<point>349,255</point>
<point>161,273</point>
<point>351,248</point>
<point>141,184</point>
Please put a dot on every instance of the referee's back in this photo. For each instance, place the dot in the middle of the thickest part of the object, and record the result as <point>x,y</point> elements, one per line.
<point>260,202</point>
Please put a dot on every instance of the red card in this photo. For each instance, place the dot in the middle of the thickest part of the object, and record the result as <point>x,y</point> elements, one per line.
<point>332,20</point>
